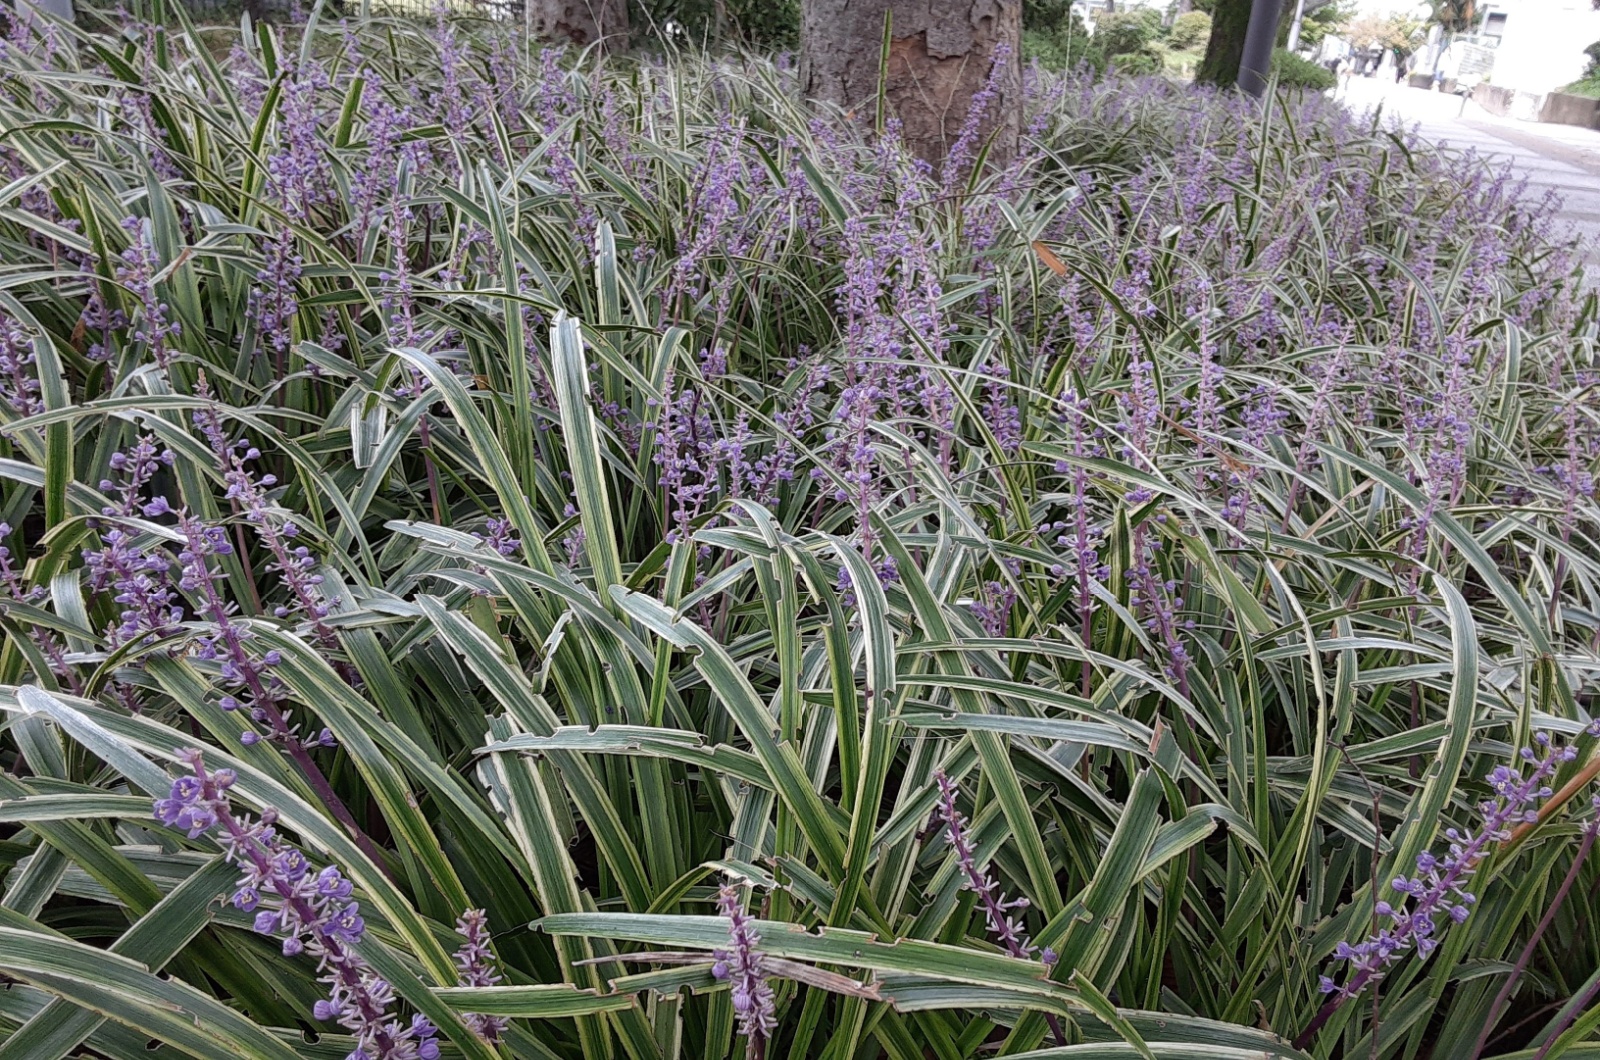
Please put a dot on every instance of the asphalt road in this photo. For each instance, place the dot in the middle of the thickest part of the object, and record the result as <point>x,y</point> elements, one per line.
<point>1563,157</point>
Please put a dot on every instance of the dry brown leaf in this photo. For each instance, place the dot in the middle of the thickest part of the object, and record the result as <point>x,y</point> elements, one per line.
<point>1048,256</point>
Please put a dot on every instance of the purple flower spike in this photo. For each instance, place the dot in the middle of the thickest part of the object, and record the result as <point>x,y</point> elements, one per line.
<point>140,585</point>
<point>134,469</point>
<point>1011,932</point>
<point>274,302</point>
<point>1008,929</point>
<point>311,910</point>
<point>743,966</point>
<point>475,962</point>
<point>501,536</point>
<point>1439,889</point>
<point>960,157</point>
<point>294,564</point>
<point>1438,892</point>
<point>19,387</point>
<point>252,686</point>
<point>298,171</point>
<point>138,272</point>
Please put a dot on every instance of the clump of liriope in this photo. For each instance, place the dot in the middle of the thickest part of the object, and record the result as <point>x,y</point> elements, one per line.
<point>575,477</point>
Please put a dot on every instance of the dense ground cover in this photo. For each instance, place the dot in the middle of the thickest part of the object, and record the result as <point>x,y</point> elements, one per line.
<point>453,477</point>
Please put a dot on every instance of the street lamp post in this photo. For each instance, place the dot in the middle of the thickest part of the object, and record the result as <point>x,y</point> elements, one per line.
<point>1294,26</point>
<point>1256,63</point>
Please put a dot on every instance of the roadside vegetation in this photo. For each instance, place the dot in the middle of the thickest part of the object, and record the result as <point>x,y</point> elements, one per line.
<point>518,553</point>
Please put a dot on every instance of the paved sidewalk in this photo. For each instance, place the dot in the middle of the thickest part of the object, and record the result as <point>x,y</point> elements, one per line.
<point>1563,157</point>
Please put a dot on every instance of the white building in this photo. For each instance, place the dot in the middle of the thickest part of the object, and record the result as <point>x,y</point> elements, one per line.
<point>1538,44</point>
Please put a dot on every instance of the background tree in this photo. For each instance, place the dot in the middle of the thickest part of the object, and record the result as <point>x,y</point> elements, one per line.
<point>1127,40</point>
<point>1230,19</point>
<point>1456,16</point>
<point>1385,31</point>
<point>940,53</point>
<point>1318,18</point>
<point>580,22</point>
<point>1317,21</point>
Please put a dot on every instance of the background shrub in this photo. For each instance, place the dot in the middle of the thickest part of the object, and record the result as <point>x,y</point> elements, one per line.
<point>1126,32</point>
<point>769,24</point>
<point>1295,72</point>
<point>1190,29</point>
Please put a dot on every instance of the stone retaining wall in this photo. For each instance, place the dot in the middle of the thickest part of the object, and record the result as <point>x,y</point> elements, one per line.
<point>1564,109</point>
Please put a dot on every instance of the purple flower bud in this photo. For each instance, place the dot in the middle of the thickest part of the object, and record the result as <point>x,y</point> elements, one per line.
<point>753,999</point>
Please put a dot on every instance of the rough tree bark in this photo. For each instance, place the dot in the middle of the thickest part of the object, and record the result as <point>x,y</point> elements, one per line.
<point>1230,20</point>
<point>580,22</point>
<point>940,55</point>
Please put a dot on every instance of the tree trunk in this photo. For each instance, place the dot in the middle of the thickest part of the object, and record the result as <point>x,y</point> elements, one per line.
<point>1230,20</point>
<point>940,56</point>
<point>580,22</point>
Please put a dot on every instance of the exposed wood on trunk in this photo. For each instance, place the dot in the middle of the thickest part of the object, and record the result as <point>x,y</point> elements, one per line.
<point>580,22</point>
<point>940,56</point>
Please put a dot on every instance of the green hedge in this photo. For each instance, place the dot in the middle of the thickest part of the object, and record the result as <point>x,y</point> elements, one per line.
<point>1295,72</point>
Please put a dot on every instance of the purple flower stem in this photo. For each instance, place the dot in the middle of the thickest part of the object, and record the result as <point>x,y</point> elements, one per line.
<point>475,967</point>
<point>1563,795</point>
<point>433,472</point>
<point>1590,832</point>
<point>315,913</point>
<point>263,699</point>
<point>1579,1003</point>
<point>337,957</point>
<point>743,967</point>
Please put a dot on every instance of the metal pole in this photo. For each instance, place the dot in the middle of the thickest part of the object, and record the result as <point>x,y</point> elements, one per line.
<point>59,8</point>
<point>1255,65</point>
<point>1294,27</point>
